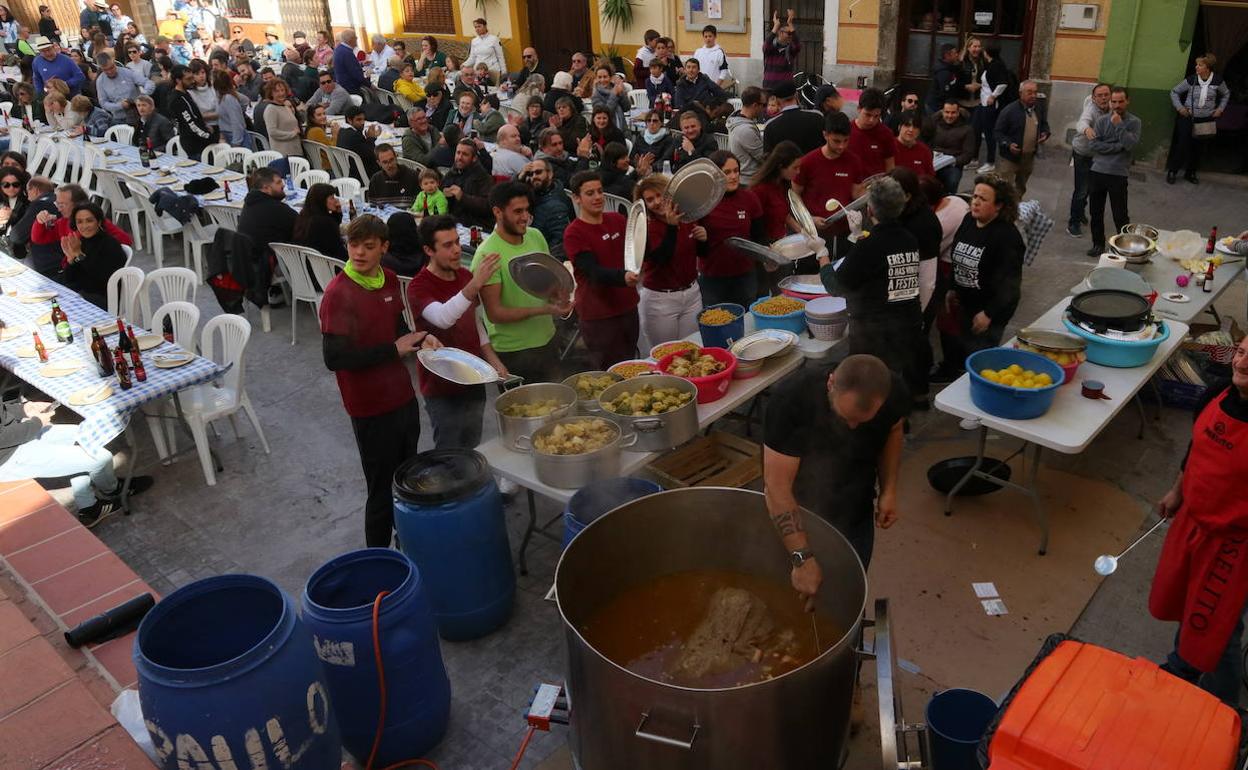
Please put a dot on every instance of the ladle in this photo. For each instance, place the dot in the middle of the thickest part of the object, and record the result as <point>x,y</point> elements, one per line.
<point>1107,565</point>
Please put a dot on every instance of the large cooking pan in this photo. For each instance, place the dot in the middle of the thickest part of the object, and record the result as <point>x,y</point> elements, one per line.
<point>623,721</point>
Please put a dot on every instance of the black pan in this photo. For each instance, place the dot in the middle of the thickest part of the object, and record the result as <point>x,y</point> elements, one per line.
<point>945,475</point>
<point>1110,309</point>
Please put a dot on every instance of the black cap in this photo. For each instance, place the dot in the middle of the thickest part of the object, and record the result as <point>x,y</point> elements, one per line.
<point>785,90</point>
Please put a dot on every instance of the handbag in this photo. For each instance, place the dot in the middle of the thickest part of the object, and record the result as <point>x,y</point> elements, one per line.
<point>1205,128</point>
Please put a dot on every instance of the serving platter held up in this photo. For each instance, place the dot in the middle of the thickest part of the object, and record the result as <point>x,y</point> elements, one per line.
<point>635,233</point>
<point>461,367</point>
<point>541,275</point>
<point>697,188</point>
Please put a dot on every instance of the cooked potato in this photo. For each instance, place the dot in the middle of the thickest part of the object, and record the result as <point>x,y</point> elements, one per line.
<point>688,365</point>
<point>589,386</point>
<point>576,437</point>
<point>532,408</point>
<point>648,401</point>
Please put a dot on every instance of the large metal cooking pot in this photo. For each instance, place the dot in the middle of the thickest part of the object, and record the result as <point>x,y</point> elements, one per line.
<point>589,405</point>
<point>622,721</point>
<point>512,428</point>
<point>575,471</point>
<point>656,432</point>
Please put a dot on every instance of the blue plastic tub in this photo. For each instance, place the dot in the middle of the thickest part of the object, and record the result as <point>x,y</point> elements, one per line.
<point>793,322</point>
<point>723,335</point>
<point>593,500</point>
<point>228,670</point>
<point>1007,402</point>
<point>956,720</point>
<point>338,608</point>
<point>1121,354</point>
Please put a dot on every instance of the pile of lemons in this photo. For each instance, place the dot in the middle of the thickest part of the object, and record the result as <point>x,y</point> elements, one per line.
<point>1015,376</point>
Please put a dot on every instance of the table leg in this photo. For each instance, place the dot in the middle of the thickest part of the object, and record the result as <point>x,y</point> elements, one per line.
<point>1033,491</point>
<point>123,499</point>
<point>528,532</point>
<point>1139,402</point>
<point>979,462</point>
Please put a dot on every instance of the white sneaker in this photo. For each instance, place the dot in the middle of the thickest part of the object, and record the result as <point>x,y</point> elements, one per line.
<point>507,486</point>
<point>969,423</point>
<point>984,169</point>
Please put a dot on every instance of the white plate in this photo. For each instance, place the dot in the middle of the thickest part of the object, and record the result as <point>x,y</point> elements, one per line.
<point>1221,248</point>
<point>804,284</point>
<point>172,360</point>
<point>149,341</point>
<point>92,394</point>
<point>12,270</point>
<point>37,296</point>
<point>186,163</point>
<point>635,233</point>
<point>1176,297</point>
<point>60,369</point>
<point>215,195</point>
<point>140,172</point>
<point>12,333</point>
<point>764,343</point>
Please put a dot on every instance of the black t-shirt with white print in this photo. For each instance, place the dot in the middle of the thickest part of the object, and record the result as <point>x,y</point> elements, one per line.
<point>880,275</point>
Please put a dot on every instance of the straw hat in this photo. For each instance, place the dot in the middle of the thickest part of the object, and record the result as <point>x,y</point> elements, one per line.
<point>42,43</point>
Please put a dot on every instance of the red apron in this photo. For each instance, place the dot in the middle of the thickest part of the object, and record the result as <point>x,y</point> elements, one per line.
<point>1202,575</point>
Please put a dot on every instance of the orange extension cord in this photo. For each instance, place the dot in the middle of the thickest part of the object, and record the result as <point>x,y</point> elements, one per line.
<point>381,681</point>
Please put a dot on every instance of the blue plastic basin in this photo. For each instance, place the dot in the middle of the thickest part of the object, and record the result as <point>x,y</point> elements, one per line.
<point>1121,354</point>
<point>723,335</point>
<point>794,322</point>
<point>1007,402</point>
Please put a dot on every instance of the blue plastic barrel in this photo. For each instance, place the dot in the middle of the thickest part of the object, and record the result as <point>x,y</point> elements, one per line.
<point>956,720</point>
<point>595,499</point>
<point>449,516</point>
<point>338,609</point>
<point>228,677</point>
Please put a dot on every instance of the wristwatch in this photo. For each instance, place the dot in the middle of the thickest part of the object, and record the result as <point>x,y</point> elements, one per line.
<point>799,557</point>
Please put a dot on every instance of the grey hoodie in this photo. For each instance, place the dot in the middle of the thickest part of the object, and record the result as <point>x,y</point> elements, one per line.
<point>1088,117</point>
<point>745,141</point>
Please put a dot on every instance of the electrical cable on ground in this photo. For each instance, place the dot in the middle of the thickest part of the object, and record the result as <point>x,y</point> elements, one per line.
<point>528,736</point>
<point>381,683</point>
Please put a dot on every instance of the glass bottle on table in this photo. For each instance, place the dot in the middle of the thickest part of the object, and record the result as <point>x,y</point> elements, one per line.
<point>123,371</point>
<point>145,154</point>
<point>123,342</point>
<point>166,329</point>
<point>40,350</point>
<point>60,322</point>
<point>134,344</point>
<point>105,359</point>
<point>140,373</point>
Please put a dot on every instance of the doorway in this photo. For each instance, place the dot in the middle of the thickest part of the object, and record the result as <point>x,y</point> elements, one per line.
<point>808,20</point>
<point>925,26</point>
<point>558,29</point>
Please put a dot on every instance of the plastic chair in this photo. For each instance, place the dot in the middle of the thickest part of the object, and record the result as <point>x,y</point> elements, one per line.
<point>120,134</point>
<point>616,203</point>
<point>348,188</point>
<point>298,166</point>
<point>185,318</point>
<point>123,288</point>
<point>205,403</point>
<point>211,154</point>
<point>309,178</point>
<point>198,237</point>
<point>224,216</point>
<point>92,158</point>
<point>43,159</point>
<point>259,140</point>
<point>7,107</point>
<point>736,103</point>
<point>323,268</point>
<point>18,137</point>
<point>120,201</point>
<point>258,159</point>
<point>174,147</point>
<point>721,140</point>
<point>639,98</point>
<point>294,263</point>
<point>158,225</point>
<point>413,165</point>
<point>317,154</point>
<point>129,252</point>
<point>408,317</point>
<point>347,163</point>
<point>173,284</point>
<point>232,156</point>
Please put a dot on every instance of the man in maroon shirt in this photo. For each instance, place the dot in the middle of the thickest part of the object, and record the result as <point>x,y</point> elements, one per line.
<point>606,297</point>
<point>444,298</point>
<point>364,343</point>
<point>910,151</point>
<point>831,172</point>
<point>870,139</point>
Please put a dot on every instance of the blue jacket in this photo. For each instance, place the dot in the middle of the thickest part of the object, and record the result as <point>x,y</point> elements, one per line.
<point>1012,122</point>
<point>61,67</point>
<point>347,70</point>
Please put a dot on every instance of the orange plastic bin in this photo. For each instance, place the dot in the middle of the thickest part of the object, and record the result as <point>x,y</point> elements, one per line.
<point>1084,707</point>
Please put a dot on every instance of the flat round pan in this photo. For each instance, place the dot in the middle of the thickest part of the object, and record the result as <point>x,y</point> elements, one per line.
<point>802,214</point>
<point>757,250</point>
<point>697,188</point>
<point>635,233</point>
<point>541,275</point>
<point>945,475</point>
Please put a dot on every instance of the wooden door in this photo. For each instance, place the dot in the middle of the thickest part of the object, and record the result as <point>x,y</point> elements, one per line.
<point>560,28</point>
<point>306,16</point>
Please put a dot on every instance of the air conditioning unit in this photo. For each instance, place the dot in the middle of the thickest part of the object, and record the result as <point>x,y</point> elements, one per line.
<point>1079,16</point>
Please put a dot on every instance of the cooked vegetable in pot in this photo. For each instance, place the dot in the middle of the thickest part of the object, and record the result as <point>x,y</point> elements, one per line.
<point>576,437</point>
<point>648,401</point>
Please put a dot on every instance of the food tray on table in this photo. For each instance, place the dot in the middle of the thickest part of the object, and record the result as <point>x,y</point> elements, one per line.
<point>718,460</point>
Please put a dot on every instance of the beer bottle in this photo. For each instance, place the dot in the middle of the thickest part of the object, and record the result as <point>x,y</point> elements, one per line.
<point>60,322</point>
<point>1213,240</point>
<point>166,329</point>
<point>351,209</point>
<point>106,358</point>
<point>474,237</point>
<point>40,350</point>
<point>134,344</point>
<point>140,373</point>
<point>123,371</point>
<point>226,186</point>
<point>123,342</point>
<point>95,345</point>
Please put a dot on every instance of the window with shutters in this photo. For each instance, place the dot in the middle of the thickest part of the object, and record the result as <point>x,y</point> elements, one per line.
<point>238,9</point>
<point>428,16</point>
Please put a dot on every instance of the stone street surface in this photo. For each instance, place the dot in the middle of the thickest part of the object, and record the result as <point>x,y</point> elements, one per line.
<point>283,515</point>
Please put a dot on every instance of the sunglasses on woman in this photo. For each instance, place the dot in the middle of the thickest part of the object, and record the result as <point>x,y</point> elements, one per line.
<point>11,184</point>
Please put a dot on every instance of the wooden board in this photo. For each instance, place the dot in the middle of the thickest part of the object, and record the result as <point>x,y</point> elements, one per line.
<point>718,460</point>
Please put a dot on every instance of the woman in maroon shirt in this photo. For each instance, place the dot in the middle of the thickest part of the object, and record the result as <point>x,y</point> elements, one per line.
<point>771,184</point>
<point>670,297</point>
<point>726,274</point>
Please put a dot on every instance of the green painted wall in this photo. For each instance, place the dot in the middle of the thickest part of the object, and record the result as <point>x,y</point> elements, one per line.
<point>1147,48</point>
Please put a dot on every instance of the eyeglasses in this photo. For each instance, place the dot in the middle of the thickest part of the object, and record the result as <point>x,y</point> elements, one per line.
<point>11,184</point>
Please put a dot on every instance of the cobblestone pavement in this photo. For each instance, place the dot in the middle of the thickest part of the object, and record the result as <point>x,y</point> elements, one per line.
<point>284,514</point>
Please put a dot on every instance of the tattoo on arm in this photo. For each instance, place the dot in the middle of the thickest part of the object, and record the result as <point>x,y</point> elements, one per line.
<point>788,522</point>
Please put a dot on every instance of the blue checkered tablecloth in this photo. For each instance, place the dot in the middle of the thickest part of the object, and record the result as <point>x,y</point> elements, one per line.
<point>106,420</point>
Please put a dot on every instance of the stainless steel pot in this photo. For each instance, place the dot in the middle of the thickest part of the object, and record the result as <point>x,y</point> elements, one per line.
<point>658,432</point>
<point>589,405</point>
<point>621,721</point>
<point>575,471</point>
<point>512,428</point>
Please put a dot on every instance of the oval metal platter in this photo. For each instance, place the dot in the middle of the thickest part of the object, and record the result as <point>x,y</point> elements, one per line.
<point>635,233</point>
<point>803,284</point>
<point>764,343</point>
<point>802,214</point>
<point>697,188</point>
<point>458,366</point>
<point>541,275</point>
<point>757,250</point>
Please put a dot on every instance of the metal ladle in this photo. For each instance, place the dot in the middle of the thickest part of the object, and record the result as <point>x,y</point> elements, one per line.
<point>1108,565</point>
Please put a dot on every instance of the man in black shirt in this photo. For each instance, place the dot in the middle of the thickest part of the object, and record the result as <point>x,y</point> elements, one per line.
<point>265,217</point>
<point>829,438</point>
<point>357,139</point>
<point>193,130</point>
<point>394,180</point>
<point>467,186</point>
<point>151,125</point>
<point>803,128</point>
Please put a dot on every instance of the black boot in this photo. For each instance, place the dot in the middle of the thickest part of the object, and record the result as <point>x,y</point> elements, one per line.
<point>1192,178</point>
<point>1170,177</point>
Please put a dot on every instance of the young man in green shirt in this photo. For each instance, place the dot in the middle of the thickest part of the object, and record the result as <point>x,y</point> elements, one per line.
<point>521,326</point>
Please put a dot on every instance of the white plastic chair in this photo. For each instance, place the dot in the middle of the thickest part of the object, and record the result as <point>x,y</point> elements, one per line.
<point>211,154</point>
<point>639,98</point>
<point>42,162</point>
<point>316,153</point>
<point>121,134</point>
<point>198,237</point>
<point>123,288</point>
<point>347,163</point>
<point>205,403</point>
<point>258,159</point>
<point>18,137</point>
<point>413,165</point>
<point>129,252</point>
<point>323,269</point>
<point>158,225</point>
<point>721,140</point>
<point>736,103</point>
<point>185,318</point>
<point>408,317</point>
<point>294,263</point>
<point>174,147</point>
<point>309,178</point>
<point>348,188</point>
<point>120,202</point>
<point>231,156</point>
<point>173,284</point>
<point>616,203</point>
<point>259,140</point>
<point>224,216</point>
<point>298,166</point>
